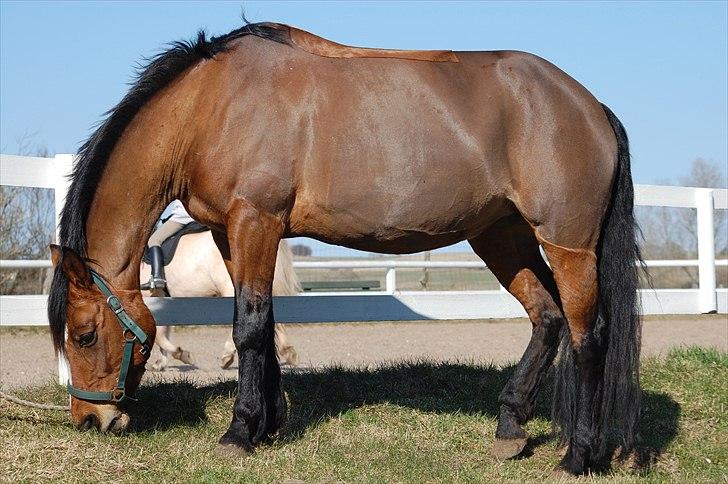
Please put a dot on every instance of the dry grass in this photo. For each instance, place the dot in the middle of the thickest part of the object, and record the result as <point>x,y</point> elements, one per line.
<point>413,422</point>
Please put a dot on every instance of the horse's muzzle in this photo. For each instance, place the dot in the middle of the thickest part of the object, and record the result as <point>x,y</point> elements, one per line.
<point>105,418</point>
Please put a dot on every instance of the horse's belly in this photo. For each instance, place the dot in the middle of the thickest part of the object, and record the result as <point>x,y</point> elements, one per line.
<point>397,225</point>
<point>409,243</point>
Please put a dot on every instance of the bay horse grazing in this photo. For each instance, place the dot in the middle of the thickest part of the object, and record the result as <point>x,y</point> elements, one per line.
<point>270,132</point>
<point>198,270</point>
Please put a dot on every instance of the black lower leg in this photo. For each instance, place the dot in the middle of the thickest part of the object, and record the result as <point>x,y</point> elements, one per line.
<point>259,407</point>
<point>581,442</point>
<point>518,397</point>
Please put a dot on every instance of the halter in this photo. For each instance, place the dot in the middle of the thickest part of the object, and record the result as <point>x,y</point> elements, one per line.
<point>132,334</point>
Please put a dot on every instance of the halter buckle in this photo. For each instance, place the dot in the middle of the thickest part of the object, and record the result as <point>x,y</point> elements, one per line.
<point>114,304</point>
<point>144,350</point>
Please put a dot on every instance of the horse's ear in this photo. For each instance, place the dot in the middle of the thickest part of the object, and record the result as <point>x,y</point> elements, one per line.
<point>72,265</point>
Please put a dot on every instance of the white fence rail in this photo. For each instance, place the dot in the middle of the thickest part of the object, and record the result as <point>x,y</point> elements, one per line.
<point>389,304</point>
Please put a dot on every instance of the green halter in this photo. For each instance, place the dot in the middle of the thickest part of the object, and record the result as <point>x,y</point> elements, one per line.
<point>132,334</point>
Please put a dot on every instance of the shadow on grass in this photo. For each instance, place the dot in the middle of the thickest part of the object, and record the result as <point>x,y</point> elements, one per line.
<point>317,395</point>
<point>166,405</point>
<point>659,425</point>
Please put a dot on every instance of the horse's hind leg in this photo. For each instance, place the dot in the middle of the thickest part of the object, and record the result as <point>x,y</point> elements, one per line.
<point>575,271</point>
<point>249,251</point>
<point>511,251</point>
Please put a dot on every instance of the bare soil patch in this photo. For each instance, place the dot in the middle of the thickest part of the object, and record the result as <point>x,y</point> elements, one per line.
<point>26,355</point>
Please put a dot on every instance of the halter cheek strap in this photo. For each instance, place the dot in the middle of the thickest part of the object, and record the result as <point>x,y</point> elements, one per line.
<point>132,334</point>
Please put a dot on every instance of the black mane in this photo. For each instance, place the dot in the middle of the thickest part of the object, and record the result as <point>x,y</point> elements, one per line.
<point>93,155</point>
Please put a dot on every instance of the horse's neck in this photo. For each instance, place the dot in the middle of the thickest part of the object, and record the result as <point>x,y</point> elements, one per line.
<point>144,172</point>
<point>126,206</point>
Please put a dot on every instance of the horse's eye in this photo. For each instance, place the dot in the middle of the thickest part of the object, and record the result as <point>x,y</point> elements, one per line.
<point>87,339</point>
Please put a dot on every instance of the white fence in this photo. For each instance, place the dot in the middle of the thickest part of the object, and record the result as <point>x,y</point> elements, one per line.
<point>390,304</point>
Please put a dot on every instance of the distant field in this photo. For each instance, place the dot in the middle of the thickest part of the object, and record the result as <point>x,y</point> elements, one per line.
<point>443,279</point>
<point>411,279</point>
<point>480,279</point>
<point>412,422</point>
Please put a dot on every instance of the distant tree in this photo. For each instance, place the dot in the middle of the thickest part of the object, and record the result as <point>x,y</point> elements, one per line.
<point>671,233</point>
<point>706,174</point>
<point>301,250</point>
<point>27,218</point>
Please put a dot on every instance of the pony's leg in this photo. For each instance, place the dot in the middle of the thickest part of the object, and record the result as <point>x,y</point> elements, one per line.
<point>511,251</point>
<point>575,271</point>
<point>228,353</point>
<point>168,348</point>
<point>161,339</point>
<point>250,253</point>
<point>286,352</point>
<point>183,355</point>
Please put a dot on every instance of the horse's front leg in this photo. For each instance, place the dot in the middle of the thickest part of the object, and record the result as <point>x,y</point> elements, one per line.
<point>249,251</point>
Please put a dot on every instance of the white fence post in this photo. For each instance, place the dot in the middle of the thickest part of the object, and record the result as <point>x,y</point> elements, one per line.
<point>63,165</point>
<point>707,298</point>
<point>390,280</point>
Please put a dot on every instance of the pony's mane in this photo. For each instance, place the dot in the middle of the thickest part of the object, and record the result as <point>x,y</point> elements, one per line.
<point>93,155</point>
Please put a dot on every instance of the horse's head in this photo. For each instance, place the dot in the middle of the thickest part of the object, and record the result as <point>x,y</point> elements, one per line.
<point>109,333</point>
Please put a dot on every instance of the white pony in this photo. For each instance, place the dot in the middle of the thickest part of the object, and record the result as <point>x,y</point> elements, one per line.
<point>198,270</point>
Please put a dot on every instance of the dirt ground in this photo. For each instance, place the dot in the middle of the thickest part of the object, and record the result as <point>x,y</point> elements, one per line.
<point>26,355</point>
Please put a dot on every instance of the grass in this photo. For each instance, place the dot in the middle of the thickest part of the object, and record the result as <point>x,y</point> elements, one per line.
<point>412,422</point>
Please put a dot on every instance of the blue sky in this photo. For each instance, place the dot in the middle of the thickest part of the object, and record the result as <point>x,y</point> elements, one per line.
<point>660,66</point>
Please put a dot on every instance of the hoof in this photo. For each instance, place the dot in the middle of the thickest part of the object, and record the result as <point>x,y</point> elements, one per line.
<point>288,356</point>
<point>160,364</point>
<point>504,449</point>
<point>561,474</point>
<point>226,360</point>
<point>231,451</point>
<point>184,356</point>
<point>569,467</point>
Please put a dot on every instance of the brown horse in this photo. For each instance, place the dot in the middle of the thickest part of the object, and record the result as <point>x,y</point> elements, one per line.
<point>271,132</point>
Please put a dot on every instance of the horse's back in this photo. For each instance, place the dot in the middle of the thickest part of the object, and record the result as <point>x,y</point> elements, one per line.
<point>378,153</point>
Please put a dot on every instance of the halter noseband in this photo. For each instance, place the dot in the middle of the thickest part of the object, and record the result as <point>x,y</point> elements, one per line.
<point>132,334</point>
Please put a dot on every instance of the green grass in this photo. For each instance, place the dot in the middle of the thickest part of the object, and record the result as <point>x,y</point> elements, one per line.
<point>413,422</point>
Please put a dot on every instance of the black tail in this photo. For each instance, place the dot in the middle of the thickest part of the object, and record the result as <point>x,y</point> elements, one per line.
<point>618,328</point>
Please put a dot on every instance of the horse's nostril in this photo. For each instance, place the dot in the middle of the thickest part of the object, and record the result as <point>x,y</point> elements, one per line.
<point>91,421</point>
<point>119,423</point>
